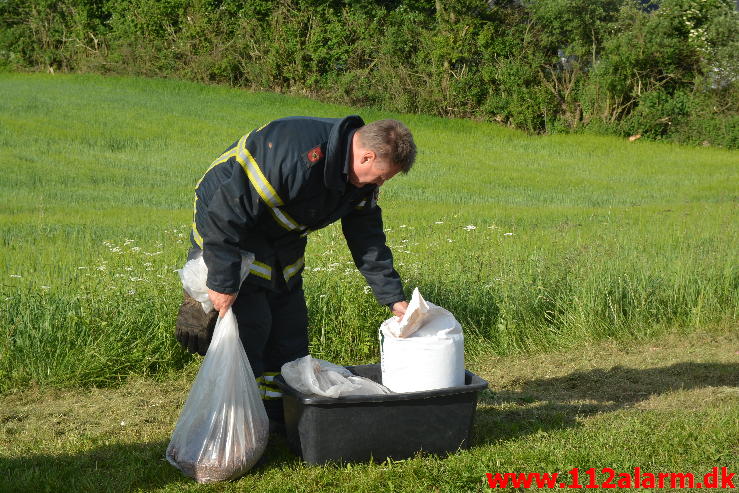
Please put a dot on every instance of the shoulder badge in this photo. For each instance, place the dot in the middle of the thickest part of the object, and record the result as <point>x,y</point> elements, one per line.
<point>315,154</point>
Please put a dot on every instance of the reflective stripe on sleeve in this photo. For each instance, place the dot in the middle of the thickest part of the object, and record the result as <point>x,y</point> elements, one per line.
<point>195,234</point>
<point>221,159</point>
<point>293,268</point>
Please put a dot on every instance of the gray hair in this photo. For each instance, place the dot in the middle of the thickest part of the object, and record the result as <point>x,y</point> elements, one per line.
<point>391,140</point>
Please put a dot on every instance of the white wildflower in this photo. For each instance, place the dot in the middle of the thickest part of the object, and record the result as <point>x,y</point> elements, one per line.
<point>470,227</point>
<point>403,226</point>
<point>367,290</point>
<point>135,249</point>
<point>131,291</point>
<point>45,287</point>
<point>15,276</point>
<point>439,222</point>
<point>507,234</point>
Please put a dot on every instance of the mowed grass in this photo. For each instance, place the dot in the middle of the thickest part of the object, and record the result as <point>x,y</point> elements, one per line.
<point>668,406</point>
<point>534,243</point>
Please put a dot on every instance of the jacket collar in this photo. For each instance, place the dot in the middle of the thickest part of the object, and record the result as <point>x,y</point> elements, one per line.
<point>337,149</point>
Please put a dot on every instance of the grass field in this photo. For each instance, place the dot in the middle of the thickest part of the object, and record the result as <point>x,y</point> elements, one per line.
<point>670,406</point>
<point>562,257</point>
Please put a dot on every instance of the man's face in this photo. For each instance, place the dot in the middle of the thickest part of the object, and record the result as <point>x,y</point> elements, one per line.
<point>369,170</point>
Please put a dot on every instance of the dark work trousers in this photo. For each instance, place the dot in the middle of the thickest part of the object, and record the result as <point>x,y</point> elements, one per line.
<point>273,326</point>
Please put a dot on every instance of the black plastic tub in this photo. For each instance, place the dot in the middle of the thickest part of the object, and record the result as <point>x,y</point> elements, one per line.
<point>357,428</point>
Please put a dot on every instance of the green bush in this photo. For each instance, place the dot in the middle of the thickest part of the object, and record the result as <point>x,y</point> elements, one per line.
<point>556,66</point>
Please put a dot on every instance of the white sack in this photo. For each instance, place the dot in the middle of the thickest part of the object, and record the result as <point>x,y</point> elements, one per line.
<point>313,376</point>
<point>431,358</point>
<point>414,318</point>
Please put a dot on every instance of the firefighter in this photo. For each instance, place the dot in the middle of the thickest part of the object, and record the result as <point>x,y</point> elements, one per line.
<point>265,194</point>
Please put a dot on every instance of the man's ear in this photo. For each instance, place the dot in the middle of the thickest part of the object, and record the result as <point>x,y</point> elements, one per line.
<point>368,156</point>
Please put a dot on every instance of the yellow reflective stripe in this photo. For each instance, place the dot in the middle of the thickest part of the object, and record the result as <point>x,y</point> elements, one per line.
<point>264,187</point>
<point>256,177</point>
<point>260,128</point>
<point>284,219</point>
<point>195,234</point>
<point>221,159</point>
<point>293,269</point>
<point>262,270</point>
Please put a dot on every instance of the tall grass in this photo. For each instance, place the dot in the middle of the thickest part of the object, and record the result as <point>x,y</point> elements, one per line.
<point>533,242</point>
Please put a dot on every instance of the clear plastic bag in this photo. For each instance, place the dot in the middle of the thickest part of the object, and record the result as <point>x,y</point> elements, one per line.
<point>313,376</point>
<point>223,428</point>
<point>195,273</point>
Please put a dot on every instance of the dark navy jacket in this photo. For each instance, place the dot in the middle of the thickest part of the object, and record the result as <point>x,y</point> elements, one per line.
<point>275,185</point>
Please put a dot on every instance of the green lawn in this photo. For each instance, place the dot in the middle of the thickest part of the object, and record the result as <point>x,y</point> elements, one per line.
<point>667,406</point>
<point>575,238</point>
<point>597,282</point>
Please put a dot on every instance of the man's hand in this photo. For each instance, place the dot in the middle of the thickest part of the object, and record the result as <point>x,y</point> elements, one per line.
<point>221,302</point>
<point>399,309</point>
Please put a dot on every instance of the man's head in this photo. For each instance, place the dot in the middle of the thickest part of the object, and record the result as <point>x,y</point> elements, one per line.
<point>380,150</point>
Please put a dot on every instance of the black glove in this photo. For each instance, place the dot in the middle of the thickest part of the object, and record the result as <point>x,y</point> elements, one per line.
<point>194,328</point>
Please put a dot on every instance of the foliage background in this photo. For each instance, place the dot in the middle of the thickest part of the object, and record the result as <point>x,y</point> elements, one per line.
<point>665,70</point>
